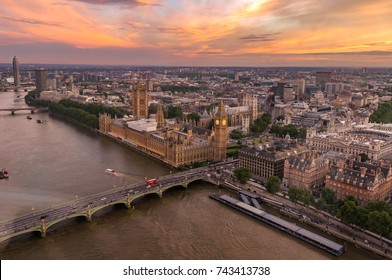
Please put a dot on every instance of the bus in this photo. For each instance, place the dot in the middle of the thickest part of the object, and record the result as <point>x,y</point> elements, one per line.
<point>151,182</point>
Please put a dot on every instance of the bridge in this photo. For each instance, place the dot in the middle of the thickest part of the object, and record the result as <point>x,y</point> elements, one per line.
<point>85,207</point>
<point>31,109</point>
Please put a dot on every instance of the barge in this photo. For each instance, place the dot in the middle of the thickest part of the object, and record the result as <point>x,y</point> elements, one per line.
<point>291,228</point>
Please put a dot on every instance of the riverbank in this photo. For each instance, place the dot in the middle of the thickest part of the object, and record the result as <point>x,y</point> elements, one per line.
<point>325,222</point>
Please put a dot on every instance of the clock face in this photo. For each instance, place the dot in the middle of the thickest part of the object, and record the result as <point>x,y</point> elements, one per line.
<point>217,122</point>
<point>224,122</point>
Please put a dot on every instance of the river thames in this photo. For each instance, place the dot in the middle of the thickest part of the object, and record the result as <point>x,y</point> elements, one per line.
<point>57,162</point>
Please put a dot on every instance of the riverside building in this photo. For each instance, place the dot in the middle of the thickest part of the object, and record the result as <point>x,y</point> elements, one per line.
<point>176,145</point>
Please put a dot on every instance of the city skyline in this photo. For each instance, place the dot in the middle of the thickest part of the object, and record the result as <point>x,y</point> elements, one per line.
<point>198,33</point>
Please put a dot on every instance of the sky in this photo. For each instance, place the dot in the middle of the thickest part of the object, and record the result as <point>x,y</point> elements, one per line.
<point>257,33</point>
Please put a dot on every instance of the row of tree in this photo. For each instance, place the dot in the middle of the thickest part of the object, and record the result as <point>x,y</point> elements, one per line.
<point>86,114</point>
<point>261,124</point>
<point>376,216</point>
<point>292,130</point>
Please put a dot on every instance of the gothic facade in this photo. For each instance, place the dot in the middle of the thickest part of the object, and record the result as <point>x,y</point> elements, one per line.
<point>175,146</point>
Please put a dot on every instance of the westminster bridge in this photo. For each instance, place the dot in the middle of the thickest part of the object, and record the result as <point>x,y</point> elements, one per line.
<point>41,221</point>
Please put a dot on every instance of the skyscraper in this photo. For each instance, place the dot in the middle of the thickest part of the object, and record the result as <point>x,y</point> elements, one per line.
<point>40,81</point>
<point>301,88</point>
<point>16,69</point>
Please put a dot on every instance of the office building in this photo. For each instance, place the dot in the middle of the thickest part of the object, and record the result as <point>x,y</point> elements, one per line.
<point>40,81</point>
<point>16,71</point>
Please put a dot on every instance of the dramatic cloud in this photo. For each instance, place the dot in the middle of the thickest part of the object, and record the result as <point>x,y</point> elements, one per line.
<point>33,21</point>
<point>204,32</point>
<point>126,3</point>
<point>260,37</point>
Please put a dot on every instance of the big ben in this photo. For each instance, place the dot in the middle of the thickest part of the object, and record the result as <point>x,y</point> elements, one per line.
<point>220,126</point>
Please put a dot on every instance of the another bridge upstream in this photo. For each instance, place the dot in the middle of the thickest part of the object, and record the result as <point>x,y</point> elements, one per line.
<point>40,221</point>
<point>31,109</point>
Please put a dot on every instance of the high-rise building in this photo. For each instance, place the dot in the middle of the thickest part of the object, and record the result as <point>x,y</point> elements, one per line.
<point>140,101</point>
<point>16,69</point>
<point>301,88</point>
<point>220,126</point>
<point>40,81</point>
<point>323,77</point>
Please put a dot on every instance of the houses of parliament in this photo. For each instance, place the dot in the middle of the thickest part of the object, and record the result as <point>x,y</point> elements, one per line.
<point>175,144</point>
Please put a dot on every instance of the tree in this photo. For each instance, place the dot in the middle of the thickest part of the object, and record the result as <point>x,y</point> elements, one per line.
<point>236,134</point>
<point>380,222</point>
<point>300,194</point>
<point>242,174</point>
<point>273,184</point>
<point>194,117</point>
<point>280,118</point>
<point>364,157</point>
<point>261,123</point>
<point>328,195</point>
<point>174,112</point>
<point>152,109</point>
<point>348,212</point>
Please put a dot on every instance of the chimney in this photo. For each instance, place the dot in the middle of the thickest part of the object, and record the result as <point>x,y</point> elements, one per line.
<point>341,165</point>
<point>363,171</point>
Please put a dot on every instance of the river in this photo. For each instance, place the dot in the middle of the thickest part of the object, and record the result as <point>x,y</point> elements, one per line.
<point>56,162</point>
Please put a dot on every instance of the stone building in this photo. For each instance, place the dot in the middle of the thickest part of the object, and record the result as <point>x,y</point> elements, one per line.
<point>175,146</point>
<point>140,101</point>
<point>305,172</point>
<point>362,180</point>
<point>374,140</point>
<point>266,161</point>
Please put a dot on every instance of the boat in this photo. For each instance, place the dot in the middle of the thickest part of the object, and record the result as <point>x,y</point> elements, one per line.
<point>28,117</point>
<point>111,171</point>
<point>4,174</point>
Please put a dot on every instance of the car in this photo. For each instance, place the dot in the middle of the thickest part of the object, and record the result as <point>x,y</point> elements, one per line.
<point>104,198</point>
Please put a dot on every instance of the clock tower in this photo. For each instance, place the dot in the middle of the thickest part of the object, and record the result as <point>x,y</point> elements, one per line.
<point>220,127</point>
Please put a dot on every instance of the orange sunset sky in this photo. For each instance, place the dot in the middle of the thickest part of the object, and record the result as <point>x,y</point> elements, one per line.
<point>198,32</point>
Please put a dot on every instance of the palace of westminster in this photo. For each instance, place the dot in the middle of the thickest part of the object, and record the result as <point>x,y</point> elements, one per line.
<point>173,143</point>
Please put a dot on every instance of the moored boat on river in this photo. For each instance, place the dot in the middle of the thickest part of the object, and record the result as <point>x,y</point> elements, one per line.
<point>4,174</point>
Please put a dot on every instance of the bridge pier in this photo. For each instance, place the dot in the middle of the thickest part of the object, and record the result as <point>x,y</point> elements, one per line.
<point>32,111</point>
<point>160,193</point>
<point>12,112</point>
<point>88,214</point>
<point>129,200</point>
<point>43,228</point>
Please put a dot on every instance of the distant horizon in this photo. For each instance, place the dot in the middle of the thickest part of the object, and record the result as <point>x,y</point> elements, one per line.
<point>193,66</point>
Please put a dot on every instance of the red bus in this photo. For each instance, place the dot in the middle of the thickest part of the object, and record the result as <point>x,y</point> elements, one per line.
<point>151,182</point>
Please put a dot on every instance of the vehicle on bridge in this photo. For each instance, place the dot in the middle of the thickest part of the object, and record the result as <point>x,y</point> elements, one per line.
<point>4,174</point>
<point>151,182</point>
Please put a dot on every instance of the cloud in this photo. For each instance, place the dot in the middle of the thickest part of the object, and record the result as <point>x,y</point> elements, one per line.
<point>33,21</point>
<point>260,37</point>
<point>136,24</point>
<point>371,53</point>
<point>126,3</point>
